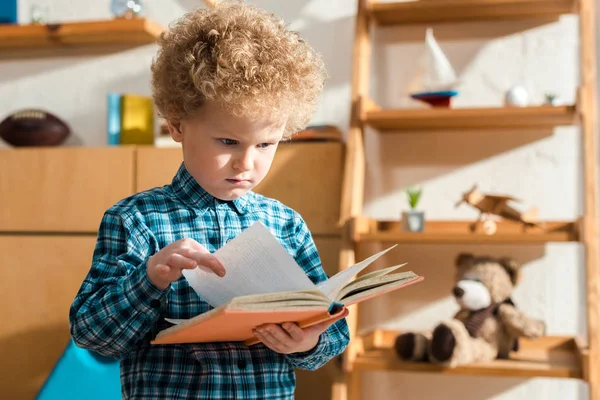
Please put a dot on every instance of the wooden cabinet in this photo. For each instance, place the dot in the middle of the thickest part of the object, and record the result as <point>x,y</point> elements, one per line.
<point>156,167</point>
<point>51,204</point>
<point>62,189</point>
<point>40,277</point>
<point>305,176</point>
<point>308,178</point>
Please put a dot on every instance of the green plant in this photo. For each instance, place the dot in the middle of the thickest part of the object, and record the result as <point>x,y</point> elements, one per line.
<point>414,195</point>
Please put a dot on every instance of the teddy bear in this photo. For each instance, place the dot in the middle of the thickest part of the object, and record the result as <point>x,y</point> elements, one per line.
<point>487,325</point>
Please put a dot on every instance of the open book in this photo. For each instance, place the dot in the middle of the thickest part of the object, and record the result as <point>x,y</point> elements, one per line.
<point>264,284</point>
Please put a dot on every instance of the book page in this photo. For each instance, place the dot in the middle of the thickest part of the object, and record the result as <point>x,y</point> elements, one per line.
<point>255,262</point>
<point>362,295</point>
<point>359,285</point>
<point>332,286</point>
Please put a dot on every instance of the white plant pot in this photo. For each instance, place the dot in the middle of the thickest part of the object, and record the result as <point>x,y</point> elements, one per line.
<point>413,221</point>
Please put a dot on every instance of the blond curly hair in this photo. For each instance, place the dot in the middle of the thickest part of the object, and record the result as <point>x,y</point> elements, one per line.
<point>241,57</point>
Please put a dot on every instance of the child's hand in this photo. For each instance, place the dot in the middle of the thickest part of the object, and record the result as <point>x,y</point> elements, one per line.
<point>165,266</point>
<point>289,338</point>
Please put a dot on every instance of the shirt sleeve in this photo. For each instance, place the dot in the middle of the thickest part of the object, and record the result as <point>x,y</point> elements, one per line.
<point>117,305</point>
<point>335,339</point>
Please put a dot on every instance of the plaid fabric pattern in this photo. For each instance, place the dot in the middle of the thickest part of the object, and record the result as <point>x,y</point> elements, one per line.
<point>117,310</point>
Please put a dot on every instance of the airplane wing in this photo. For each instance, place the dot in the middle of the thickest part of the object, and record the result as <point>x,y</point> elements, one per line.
<point>501,198</point>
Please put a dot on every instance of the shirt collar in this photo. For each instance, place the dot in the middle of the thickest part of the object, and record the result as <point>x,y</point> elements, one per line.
<point>189,191</point>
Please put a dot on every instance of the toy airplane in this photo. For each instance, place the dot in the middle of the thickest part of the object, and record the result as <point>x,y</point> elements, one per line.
<point>489,204</point>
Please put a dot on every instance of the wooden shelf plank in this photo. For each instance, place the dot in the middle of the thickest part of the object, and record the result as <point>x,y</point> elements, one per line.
<point>438,11</point>
<point>498,118</point>
<point>77,37</point>
<point>549,356</point>
<point>468,232</point>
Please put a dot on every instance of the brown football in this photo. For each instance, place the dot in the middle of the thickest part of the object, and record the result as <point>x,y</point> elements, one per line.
<point>33,127</point>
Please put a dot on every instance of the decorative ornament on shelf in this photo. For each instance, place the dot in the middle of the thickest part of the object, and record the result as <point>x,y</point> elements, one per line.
<point>413,220</point>
<point>490,204</point>
<point>39,14</point>
<point>437,80</point>
<point>128,9</point>
<point>516,96</point>
<point>551,99</point>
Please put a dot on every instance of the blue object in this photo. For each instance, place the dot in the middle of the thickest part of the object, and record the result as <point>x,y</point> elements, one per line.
<point>335,307</point>
<point>8,11</point>
<point>82,374</point>
<point>445,93</point>
<point>113,119</point>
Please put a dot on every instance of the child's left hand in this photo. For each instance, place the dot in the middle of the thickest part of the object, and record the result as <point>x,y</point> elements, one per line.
<point>289,338</point>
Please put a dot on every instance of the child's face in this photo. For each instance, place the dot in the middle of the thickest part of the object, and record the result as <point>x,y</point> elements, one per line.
<point>228,156</point>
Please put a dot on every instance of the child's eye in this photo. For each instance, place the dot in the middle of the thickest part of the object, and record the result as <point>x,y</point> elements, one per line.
<point>264,145</point>
<point>228,142</point>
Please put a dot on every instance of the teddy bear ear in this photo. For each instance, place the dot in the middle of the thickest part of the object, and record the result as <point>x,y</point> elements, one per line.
<point>512,267</point>
<point>463,258</point>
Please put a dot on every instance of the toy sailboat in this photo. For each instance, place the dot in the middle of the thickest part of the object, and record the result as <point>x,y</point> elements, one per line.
<point>437,81</point>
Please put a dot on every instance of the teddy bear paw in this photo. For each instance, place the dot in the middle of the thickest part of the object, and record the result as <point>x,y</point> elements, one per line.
<point>536,329</point>
<point>443,343</point>
<point>411,346</point>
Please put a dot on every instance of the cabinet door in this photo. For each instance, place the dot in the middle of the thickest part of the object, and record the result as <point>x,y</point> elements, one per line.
<point>156,166</point>
<point>61,189</point>
<point>305,176</point>
<point>39,278</point>
<point>308,178</point>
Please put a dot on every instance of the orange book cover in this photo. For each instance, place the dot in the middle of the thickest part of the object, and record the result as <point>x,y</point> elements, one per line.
<point>231,324</point>
<point>264,284</point>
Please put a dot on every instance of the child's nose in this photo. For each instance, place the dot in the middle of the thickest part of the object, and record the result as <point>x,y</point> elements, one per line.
<point>245,162</point>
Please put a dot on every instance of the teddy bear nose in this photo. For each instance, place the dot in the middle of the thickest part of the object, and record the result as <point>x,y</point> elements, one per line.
<point>458,291</point>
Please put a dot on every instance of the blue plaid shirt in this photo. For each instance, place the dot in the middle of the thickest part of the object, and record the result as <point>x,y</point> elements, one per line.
<point>117,310</point>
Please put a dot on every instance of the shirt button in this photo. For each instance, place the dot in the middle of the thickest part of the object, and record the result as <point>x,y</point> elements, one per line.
<point>155,303</point>
<point>241,364</point>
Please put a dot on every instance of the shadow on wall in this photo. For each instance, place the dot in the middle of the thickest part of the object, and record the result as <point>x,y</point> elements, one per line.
<point>457,30</point>
<point>393,66</point>
<point>430,155</point>
<point>436,262</point>
<point>13,70</point>
<point>461,42</point>
<point>37,351</point>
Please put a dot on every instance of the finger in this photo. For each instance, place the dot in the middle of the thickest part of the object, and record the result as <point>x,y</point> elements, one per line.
<point>209,261</point>
<point>178,261</point>
<point>322,326</point>
<point>294,331</point>
<point>280,335</point>
<point>163,270</point>
<point>267,342</point>
<point>271,341</point>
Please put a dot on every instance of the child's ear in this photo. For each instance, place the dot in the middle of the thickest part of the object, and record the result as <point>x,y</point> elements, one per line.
<point>175,131</point>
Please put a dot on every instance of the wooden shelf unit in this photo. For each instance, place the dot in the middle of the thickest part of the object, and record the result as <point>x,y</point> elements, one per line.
<point>439,11</point>
<point>78,38</point>
<point>548,356</point>
<point>470,119</point>
<point>369,230</point>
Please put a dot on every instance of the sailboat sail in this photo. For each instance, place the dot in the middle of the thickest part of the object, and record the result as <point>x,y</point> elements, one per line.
<point>436,73</point>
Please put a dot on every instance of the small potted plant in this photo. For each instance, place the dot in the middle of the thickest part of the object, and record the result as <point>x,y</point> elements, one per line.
<point>413,220</point>
<point>551,99</point>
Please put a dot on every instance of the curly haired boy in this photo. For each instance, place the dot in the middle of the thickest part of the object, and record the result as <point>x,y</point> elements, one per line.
<point>232,82</point>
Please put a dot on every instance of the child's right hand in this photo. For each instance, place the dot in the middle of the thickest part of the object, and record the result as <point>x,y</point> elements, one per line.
<point>165,266</point>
